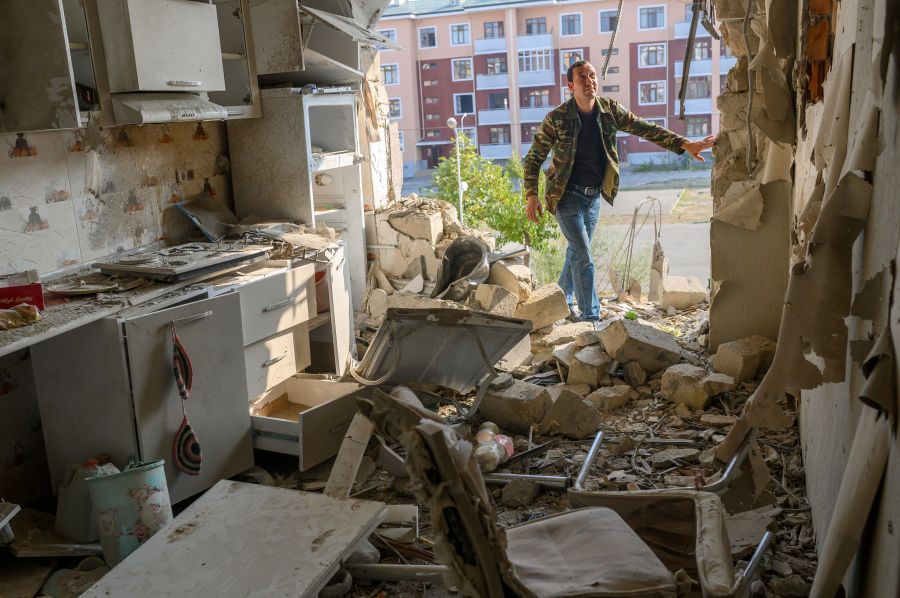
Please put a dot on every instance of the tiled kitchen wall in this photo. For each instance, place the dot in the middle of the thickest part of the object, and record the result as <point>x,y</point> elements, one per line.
<point>74,196</point>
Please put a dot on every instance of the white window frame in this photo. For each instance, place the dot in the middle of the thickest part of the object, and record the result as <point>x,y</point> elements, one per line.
<point>419,33</point>
<point>396,64</point>
<point>655,120</point>
<point>533,54</point>
<point>453,62</point>
<point>506,72</point>
<point>400,102</point>
<point>468,27</point>
<point>580,24</point>
<point>665,94</point>
<point>564,91</point>
<point>653,66</point>
<point>665,17</point>
<point>533,91</point>
<point>382,32</point>
<point>706,121</point>
<point>600,21</point>
<point>562,64</point>
<point>525,22</point>
<point>616,85</point>
<point>470,132</point>
<point>467,93</point>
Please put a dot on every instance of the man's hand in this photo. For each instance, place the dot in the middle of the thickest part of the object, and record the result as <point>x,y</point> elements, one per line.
<point>534,210</point>
<point>695,147</point>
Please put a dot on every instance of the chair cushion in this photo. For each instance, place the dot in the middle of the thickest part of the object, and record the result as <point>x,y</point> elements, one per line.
<point>585,552</point>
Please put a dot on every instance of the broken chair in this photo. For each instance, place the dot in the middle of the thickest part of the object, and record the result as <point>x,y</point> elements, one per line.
<point>583,552</point>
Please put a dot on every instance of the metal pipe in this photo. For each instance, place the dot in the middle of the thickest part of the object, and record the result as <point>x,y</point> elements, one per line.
<point>745,578</point>
<point>387,572</point>
<point>553,482</point>
<point>732,470</point>
<point>588,461</point>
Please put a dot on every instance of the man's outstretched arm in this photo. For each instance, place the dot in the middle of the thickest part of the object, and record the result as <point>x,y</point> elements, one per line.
<point>630,123</point>
<point>540,146</point>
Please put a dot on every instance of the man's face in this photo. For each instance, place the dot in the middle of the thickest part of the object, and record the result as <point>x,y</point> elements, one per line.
<point>584,82</point>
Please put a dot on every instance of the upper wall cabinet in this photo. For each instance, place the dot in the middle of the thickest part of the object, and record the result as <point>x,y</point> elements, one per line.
<point>37,82</point>
<point>241,95</point>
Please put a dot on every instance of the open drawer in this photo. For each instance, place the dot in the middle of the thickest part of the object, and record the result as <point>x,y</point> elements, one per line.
<point>306,415</point>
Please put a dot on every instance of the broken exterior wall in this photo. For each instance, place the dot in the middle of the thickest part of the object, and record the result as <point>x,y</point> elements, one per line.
<point>749,232</point>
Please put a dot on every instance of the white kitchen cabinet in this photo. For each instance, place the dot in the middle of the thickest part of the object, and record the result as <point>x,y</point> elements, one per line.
<point>108,387</point>
<point>161,45</point>
<point>299,162</point>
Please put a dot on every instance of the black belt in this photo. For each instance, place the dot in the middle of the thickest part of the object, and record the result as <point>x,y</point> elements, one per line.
<point>585,190</point>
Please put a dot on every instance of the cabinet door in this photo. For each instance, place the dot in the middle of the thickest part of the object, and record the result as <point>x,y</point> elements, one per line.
<point>37,90</point>
<point>217,407</point>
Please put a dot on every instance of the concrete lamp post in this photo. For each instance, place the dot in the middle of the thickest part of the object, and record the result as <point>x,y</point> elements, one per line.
<point>460,184</point>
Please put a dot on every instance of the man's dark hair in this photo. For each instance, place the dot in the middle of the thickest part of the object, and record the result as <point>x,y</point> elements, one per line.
<point>574,66</point>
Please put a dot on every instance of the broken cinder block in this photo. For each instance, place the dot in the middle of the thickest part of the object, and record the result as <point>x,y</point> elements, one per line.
<point>570,415</point>
<point>627,340</point>
<point>512,277</point>
<point>612,397</point>
<point>693,385</point>
<point>418,224</point>
<point>634,373</point>
<point>744,359</point>
<point>494,300</point>
<point>515,405</point>
<point>544,306</point>
<point>681,292</point>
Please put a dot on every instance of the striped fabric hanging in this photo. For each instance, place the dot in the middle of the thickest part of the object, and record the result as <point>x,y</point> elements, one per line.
<point>185,447</point>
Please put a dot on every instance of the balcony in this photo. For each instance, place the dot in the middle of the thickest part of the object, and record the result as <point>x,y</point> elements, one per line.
<point>697,106</point>
<point>534,42</point>
<point>529,114</point>
<point>538,78</point>
<point>683,29</point>
<point>698,68</point>
<point>498,151</point>
<point>496,116</point>
<point>492,81</point>
<point>493,45</point>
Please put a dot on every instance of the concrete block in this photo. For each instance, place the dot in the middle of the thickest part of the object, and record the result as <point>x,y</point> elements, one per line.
<point>411,250</point>
<point>593,355</point>
<point>517,356</point>
<point>516,407</point>
<point>392,262</point>
<point>583,373</point>
<point>579,389</point>
<point>745,358</point>
<point>519,493</point>
<point>418,224</point>
<point>409,301</point>
<point>681,292</point>
<point>634,373</point>
<point>494,300</point>
<point>385,234</point>
<point>612,397</point>
<point>544,306</point>
<point>377,303</point>
<point>570,415</point>
<point>565,333</point>
<point>512,277</point>
<point>715,384</point>
<point>627,340</point>
<point>682,383</point>
<point>565,354</point>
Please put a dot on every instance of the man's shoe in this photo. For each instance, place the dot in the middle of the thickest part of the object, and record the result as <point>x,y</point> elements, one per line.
<point>573,316</point>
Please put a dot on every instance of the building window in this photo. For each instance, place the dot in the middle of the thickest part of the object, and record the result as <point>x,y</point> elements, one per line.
<point>468,132</point>
<point>535,60</point>
<point>499,135</point>
<point>657,121</point>
<point>493,30</point>
<point>605,51</point>
<point>651,54</point>
<point>537,26</point>
<point>428,37</point>
<point>698,88</point>
<point>394,108</point>
<point>697,126</point>
<point>402,144</point>
<point>529,131</point>
<point>651,17</point>
<point>536,98</point>
<point>390,74</point>
<point>496,65</point>
<point>432,116</point>
<point>429,82</point>
<point>610,88</point>
<point>652,92</point>
<point>570,57</point>
<point>688,12</point>
<point>432,100</point>
<point>459,35</point>
<point>570,24</point>
<point>608,20</point>
<point>391,34</point>
<point>498,101</point>
<point>432,133</point>
<point>613,70</point>
<point>428,66</point>
<point>462,69</point>
<point>566,94</point>
<point>464,103</point>
<point>702,49</point>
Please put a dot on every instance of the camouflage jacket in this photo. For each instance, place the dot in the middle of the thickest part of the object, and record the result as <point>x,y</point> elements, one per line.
<point>559,132</point>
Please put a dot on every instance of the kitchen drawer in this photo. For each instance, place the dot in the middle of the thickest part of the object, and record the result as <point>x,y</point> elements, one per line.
<point>278,302</point>
<point>305,416</point>
<point>161,45</point>
<point>269,362</point>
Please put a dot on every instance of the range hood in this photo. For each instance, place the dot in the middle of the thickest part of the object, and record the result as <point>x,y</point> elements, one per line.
<point>150,108</point>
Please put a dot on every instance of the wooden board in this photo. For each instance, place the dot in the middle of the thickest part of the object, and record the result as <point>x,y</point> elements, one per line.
<point>35,538</point>
<point>245,540</point>
<point>23,578</point>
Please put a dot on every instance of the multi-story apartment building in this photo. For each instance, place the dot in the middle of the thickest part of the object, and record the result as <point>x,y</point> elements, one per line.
<point>498,67</point>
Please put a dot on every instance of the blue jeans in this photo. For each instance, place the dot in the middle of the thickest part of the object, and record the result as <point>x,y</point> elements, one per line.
<point>577,215</point>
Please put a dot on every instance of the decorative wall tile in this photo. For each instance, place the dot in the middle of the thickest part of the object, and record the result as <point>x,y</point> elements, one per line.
<point>42,236</point>
<point>32,175</point>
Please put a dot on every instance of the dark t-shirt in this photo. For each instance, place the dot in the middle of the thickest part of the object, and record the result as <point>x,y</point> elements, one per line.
<point>590,161</point>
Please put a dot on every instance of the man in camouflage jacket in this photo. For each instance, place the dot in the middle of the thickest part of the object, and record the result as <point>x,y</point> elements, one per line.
<point>585,167</point>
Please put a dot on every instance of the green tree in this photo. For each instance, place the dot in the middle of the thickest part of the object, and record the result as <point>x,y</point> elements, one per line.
<point>493,197</point>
